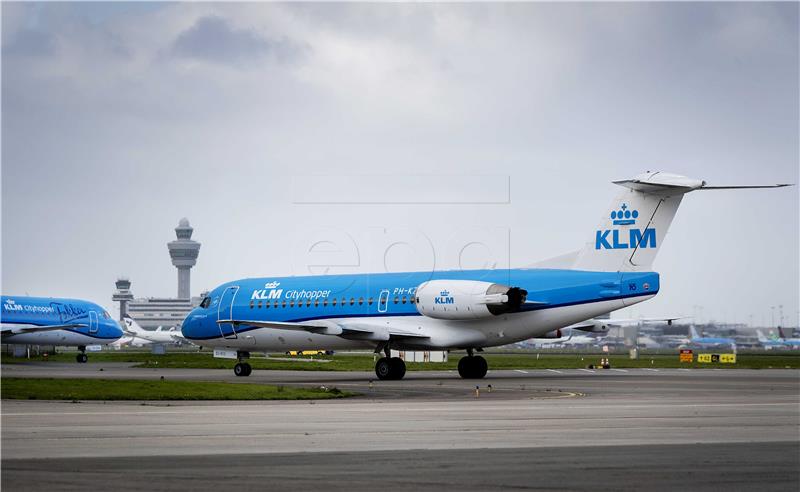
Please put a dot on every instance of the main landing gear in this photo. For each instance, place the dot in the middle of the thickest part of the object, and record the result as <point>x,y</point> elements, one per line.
<point>82,357</point>
<point>472,366</point>
<point>389,368</point>
<point>242,368</point>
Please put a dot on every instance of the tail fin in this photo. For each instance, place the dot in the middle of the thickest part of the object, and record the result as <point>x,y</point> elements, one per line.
<point>761,337</point>
<point>693,333</point>
<point>132,326</point>
<point>636,224</point>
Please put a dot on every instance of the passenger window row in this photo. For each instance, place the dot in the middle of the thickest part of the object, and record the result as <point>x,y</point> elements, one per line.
<point>316,302</point>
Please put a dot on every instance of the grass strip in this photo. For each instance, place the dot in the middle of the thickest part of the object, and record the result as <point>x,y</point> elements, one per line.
<point>128,389</point>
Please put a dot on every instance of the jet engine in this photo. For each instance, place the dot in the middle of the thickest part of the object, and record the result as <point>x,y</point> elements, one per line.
<point>467,299</point>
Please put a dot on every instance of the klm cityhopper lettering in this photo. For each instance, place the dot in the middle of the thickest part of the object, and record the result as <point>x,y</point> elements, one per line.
<point>616,239</point>
<point>271,291</point>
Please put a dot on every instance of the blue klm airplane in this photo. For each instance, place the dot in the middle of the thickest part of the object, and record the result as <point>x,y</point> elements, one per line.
<point>444,310</point>
<point>53,321</point>
<point>702,341</point>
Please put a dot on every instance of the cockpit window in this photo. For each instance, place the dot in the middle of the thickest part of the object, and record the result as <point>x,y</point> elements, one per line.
<point>205,302</point>
<point>106,315</point>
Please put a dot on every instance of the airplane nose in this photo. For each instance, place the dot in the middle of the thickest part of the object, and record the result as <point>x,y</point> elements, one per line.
<point>190,326</point>
<point>115,329</point>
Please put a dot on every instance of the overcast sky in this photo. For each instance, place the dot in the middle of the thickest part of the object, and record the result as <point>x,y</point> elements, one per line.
<point>119,119</point>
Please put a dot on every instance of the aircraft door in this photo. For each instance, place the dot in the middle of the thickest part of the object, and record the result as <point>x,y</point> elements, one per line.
<point>225,311</point>
<point>383,301</point>
<point>93,323</point>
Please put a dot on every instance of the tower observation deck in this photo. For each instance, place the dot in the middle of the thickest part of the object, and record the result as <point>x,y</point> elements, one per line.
<point>123,295</point>
<point>184,252</point>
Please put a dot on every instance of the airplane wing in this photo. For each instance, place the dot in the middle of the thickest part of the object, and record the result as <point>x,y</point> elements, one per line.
<point>634,321</point>
<point>602,324</point>
<point>9,329</point>
<point>348,330</point>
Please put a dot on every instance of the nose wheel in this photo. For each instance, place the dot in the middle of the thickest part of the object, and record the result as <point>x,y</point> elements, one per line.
<point>472,367</point>
<point>390,368</point>
<point>242,368</point>
<point>82,357</point>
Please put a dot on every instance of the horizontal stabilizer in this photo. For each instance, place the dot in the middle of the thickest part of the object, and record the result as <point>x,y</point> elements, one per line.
<point>744,187</point>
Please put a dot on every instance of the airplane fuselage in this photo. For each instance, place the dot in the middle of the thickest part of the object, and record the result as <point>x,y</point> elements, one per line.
<point>85,322</point>
<point>557,298</point>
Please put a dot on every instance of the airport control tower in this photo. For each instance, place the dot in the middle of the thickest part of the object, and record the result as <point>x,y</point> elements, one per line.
<point>123,295</point>
<point>183,252</point>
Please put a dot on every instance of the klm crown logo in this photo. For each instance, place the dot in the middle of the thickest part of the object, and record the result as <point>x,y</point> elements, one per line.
<point>624,216</point>
<point>632,238</point>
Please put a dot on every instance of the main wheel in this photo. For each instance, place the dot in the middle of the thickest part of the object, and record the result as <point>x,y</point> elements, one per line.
<point>398,367</point>
<point>472,367</point>
<point>247,369</point>
<point>82,358</point>
<point>383,368</point>
<point>240,369</point>
<point>479,367</point>
<point>464,367</point>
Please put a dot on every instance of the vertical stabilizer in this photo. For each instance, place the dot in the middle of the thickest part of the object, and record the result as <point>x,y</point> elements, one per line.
<point>635,225</point>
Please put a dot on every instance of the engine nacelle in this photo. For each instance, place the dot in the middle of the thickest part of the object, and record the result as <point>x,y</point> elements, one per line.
<point>467,299</point>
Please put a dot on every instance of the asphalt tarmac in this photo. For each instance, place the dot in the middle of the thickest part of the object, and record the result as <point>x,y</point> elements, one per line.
<point>565,430</point>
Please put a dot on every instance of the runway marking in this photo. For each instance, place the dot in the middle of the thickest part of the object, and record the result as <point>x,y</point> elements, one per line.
<point>520,370</point>
<point>684,369</point>
<point>553,370</point>
<point>619,370</point>
<point>587,370</point>
<point>649,369</point>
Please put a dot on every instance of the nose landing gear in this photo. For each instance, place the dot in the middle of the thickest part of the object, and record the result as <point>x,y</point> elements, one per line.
<point>242,368</point>
<point>82,357</point>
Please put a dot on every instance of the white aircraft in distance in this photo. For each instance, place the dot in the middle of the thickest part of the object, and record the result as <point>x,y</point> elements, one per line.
<point>129,341</point>
<point>571,340</point>
<point>777,342</point>
<point>171,336</point>
<point>601,326</point>
<point>458,309</point>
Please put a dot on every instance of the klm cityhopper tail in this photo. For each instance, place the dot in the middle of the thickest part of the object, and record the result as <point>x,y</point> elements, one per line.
<point>53,321</point>
<point>443,310</point>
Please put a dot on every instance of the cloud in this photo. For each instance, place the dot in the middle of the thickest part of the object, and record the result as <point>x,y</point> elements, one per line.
<point>30,42</point>
<point>141,105</point>
<point>213,39</point>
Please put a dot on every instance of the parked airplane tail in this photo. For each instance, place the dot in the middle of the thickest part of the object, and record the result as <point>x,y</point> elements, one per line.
<point>693,333</point>
<point>132,326</point>
<point>636,224</point>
